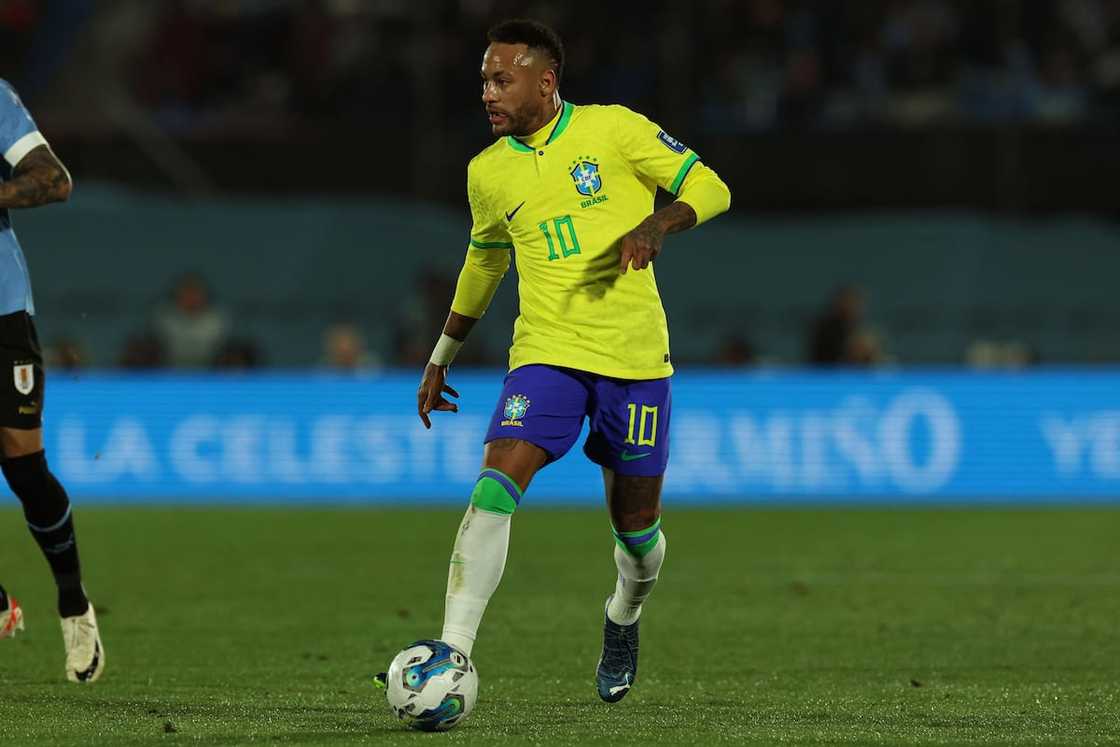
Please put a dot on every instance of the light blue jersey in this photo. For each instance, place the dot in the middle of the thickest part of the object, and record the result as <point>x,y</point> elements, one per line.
<point>18,137</point>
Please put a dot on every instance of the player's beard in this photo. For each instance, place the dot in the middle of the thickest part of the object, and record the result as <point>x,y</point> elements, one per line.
<point>519,122</point>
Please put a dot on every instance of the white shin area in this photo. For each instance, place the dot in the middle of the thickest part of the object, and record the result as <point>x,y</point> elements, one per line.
<point>636,579</point>
<point>477,562</point>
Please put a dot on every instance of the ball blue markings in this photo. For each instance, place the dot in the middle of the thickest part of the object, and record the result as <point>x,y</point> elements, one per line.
<point>442,717</point>
<point>443,659</point>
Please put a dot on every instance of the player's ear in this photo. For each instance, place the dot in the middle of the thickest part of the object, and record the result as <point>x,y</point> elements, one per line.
<point>548,83</point>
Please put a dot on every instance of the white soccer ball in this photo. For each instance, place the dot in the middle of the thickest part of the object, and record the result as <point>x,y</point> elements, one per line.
<point>431,685</point>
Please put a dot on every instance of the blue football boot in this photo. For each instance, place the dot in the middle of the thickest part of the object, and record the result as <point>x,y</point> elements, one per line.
<point>618,666</point>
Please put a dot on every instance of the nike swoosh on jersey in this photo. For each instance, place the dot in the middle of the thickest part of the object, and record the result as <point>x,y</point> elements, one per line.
<point>510,214</point>
<point>626,456</point>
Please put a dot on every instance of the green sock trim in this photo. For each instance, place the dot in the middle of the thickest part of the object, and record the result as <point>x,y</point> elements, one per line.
<point>495,492</point>
<point>640,542</point>
<point>512,483</point>
<point>639,532</point>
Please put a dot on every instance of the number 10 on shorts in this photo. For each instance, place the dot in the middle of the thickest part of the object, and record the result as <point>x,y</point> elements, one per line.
<point>646,422</point>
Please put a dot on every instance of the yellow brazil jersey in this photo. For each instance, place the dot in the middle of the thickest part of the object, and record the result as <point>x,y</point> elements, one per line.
<point>561,200</point>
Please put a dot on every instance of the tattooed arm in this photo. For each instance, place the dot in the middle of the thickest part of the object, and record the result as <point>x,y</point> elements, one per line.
<point>38,179</point>
<point>643,244</point>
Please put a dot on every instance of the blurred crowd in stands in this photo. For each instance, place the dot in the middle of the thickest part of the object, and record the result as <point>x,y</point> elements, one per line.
<point>738,65</point>
<point>753,64</point>
<point>189,331</point>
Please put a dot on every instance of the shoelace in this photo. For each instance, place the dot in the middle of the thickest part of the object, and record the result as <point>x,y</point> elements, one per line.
<point>616,653</point>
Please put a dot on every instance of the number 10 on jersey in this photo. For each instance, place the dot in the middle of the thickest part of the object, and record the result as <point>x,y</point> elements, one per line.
<point>569,244</point>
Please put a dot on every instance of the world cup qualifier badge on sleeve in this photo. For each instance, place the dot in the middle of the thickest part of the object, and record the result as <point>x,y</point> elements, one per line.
<point>515,409</point>
<point>671,142</point>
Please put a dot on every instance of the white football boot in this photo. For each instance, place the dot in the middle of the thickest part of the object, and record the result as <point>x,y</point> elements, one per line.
<point>11,619</point>
<point>85,658</point>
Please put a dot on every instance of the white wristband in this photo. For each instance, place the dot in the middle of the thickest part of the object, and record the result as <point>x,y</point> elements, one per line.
<point>446,349</point>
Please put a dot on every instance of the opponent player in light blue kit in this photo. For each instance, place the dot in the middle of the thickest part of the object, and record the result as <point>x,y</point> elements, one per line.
<point>31,176</point>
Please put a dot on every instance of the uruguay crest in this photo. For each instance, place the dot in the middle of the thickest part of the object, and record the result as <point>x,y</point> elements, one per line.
<point>516,407</point>
<point>24,377</point>
<point>585,173</point>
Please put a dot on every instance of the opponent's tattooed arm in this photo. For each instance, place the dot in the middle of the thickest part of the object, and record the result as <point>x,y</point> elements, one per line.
<point>38,179</point>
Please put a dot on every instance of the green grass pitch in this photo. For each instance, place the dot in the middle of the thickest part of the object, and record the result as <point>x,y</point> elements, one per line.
<point>246,626</point>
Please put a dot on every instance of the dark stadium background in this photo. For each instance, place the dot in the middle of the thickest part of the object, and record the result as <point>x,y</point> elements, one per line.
<point>910,312</point>
<point>987,120</point>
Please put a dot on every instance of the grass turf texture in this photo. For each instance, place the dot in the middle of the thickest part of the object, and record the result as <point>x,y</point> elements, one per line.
<point>825,626</point>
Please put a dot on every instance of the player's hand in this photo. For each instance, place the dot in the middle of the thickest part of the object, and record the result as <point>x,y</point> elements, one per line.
<point>430,395</point>
<point>640,246</point>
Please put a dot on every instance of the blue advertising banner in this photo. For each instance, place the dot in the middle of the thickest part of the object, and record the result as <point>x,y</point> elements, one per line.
<point>761,436</point>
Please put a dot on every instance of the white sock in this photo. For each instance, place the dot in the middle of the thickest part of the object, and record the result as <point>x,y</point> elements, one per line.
<point>636,579</point>
<point>477,562</point>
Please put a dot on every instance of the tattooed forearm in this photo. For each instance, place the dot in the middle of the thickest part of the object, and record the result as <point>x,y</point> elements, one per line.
<point>672,218</point>
<point>642,245</point>
<point>38,179</point>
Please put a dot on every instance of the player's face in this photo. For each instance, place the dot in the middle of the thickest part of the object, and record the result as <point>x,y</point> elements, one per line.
<point>513,88</point>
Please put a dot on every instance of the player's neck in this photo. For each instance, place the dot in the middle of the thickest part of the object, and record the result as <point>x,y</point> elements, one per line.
<point>544,118</point>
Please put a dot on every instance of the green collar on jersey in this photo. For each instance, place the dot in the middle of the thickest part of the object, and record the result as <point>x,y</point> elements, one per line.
<point>557,130</point>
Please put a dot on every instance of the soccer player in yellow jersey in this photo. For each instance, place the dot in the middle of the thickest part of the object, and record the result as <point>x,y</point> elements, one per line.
<point>569,191</point>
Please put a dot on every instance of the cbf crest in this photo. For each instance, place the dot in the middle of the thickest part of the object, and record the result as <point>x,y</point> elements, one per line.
<point>585,173</point>
<point>516,407</point>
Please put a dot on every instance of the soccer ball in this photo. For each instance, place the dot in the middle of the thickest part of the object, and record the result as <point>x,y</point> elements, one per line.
<point>431,685</point>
